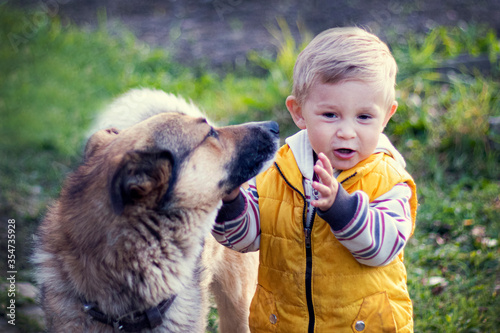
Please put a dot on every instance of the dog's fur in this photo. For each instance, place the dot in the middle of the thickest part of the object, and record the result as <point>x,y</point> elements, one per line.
<point>132,225</point>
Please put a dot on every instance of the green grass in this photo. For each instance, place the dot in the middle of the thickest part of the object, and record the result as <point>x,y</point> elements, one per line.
<point>54,78</point>
<point>456,240</point>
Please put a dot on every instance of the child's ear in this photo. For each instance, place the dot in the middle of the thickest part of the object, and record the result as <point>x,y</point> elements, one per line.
<point>295,111</point>
<point>390,112</point>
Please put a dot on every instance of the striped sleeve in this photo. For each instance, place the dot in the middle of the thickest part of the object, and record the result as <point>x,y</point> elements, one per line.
<point>237,225</point>
<point>378,231</point>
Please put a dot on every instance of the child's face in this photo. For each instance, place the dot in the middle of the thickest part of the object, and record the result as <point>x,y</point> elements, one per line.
<point>343,120</point>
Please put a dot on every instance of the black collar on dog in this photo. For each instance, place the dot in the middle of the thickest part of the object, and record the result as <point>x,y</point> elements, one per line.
<point>151,318</point>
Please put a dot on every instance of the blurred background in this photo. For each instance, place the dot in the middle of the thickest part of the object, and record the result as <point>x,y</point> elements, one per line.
<point>61,61</point>
<point>219,32</point>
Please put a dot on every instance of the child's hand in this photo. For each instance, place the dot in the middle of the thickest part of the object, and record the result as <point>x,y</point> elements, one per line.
<point>328,185</point>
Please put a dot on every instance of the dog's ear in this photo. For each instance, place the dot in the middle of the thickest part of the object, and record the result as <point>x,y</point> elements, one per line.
<point>141,176</point>
<point>97,140</point>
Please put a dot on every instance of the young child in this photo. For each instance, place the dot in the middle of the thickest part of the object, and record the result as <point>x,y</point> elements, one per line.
<point>332,216</point>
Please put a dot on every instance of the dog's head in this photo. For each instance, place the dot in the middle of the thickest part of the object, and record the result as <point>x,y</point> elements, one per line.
<point>173,161</point>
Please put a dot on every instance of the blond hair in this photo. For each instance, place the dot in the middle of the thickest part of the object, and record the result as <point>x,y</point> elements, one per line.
<point>345,54</point>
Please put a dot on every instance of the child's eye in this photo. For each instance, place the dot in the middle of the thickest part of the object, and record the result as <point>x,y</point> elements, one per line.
<point>365,117</point>
<point>329,115</point>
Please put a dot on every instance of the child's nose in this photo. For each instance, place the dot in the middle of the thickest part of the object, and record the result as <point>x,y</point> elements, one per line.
<point>346,132</point>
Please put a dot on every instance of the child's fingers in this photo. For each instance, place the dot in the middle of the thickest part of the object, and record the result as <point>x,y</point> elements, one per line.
<point>323,190</point>
<point>325,163</point>
<point>327,185</point>
<point>326,196</point>
<point>319,163</point>
<point>321,203</point>
<point>324,176</point>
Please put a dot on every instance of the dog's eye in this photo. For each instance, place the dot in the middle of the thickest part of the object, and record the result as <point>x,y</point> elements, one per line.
<point>112,130</point>
<point>213,133</point>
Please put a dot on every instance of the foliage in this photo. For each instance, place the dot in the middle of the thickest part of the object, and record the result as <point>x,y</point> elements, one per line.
<point>445,107</point>
<point>56,76</point>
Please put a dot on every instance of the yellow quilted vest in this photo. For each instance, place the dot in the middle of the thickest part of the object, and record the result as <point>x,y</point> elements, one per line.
<point>341,294</point>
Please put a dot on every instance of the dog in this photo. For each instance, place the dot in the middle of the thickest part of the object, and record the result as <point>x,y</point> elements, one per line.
<point>127,246</point>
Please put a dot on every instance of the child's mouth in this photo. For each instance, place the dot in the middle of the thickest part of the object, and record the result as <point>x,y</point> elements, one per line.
<point>344,153</point>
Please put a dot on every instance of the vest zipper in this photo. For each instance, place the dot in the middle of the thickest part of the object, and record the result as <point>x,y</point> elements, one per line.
<point>310,307</point>
<point>307,235</point>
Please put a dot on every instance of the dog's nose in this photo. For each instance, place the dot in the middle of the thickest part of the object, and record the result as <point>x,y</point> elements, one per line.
<point>273,127</point>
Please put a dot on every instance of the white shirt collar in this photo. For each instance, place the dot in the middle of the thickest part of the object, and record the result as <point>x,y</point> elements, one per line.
<point>303,152</point>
